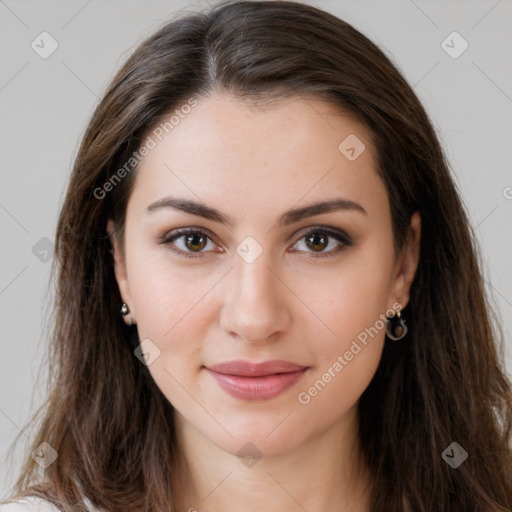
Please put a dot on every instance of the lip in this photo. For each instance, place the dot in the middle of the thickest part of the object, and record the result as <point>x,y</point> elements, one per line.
<point>256,381</point>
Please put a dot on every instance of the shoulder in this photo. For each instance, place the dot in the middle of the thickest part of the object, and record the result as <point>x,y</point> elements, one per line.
<point>38,504</point>
<point>29,504</point>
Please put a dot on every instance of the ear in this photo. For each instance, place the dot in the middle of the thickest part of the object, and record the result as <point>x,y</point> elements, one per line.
<point>120,268</point>
<point>407,263</point>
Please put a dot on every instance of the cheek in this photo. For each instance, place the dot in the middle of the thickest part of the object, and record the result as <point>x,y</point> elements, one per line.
<point>345,363</point>
<point>169,310</point>
<point>334,390</point>
<point>348,353</point>
<point>168,305</point>
<point>347,360</point>
<point>161,292</point>
<point>354,302</point>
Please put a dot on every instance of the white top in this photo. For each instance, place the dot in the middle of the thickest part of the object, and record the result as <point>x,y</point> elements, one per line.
<point>36,504</point>
<point>31,503</point>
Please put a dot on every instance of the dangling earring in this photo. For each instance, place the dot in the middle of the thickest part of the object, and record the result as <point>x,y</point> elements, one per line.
<point>395,327</point>
<point>125,314</point>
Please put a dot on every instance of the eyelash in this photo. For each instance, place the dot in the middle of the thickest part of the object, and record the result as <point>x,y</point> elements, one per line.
<point>178,233</point>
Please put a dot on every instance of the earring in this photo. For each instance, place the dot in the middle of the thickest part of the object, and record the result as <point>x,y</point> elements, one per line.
<point>125,314</point>
<point>395,327</point>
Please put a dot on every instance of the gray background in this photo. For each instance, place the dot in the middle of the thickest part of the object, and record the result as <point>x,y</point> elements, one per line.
<point>45,105</point>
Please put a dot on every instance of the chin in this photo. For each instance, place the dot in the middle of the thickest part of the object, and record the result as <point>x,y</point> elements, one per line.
<point>267,437</point>
<point>250,447</point>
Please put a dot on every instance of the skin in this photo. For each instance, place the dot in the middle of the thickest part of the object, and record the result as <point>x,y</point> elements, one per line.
<point>253,164</point>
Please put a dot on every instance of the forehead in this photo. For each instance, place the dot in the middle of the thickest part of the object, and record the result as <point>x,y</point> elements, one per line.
<point>296,149</point>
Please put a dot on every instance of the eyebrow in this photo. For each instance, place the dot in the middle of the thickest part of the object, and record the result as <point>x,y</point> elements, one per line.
<point>290,217</point>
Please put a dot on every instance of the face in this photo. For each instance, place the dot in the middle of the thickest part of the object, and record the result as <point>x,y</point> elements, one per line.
<point>253,284</point>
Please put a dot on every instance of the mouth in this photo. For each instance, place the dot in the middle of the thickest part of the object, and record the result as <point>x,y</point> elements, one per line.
<point>256,381</point>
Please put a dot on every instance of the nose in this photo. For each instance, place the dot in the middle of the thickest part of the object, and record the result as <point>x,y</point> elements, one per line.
<point>255,307</point>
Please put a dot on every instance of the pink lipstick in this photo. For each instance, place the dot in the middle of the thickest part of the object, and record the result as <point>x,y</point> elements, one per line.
<point>256,381</point>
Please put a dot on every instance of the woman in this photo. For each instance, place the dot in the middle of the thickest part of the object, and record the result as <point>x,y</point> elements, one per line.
<point>269,292</point>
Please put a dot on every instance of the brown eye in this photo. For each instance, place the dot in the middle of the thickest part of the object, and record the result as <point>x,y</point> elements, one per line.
<point>317,241</point>
<point>191,242</point>
<point>195,242</point>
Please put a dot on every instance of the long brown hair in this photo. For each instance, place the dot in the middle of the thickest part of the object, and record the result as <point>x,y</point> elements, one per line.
<point>109,423</point>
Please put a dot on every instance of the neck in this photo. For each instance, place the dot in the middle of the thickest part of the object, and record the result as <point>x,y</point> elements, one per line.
<point>325,473</point>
